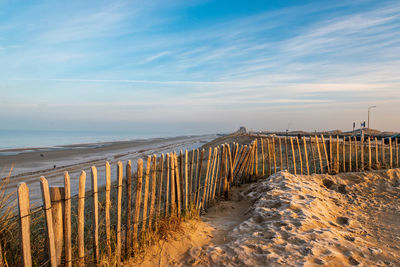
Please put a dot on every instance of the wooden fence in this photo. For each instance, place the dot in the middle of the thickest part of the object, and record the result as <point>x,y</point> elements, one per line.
<point>110,224</point>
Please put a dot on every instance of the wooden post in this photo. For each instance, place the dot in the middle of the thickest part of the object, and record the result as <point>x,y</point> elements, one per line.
<point>172,185</point>
<point>280,154</point>
<point>191,178</point>
<point>220,170</point>
<point>326,154</point>
<point>186,182</point>
<point>269,158</point>
<point>369,154</point>
<point>356,152</point>
<point>81,219</point>
<point>178,188</point>
<point>376,152</point>
<point>44,185</point>
<point>67,221</point>
<point>313,155</point>
<point>286,154</point>
<point>107,209</point>
<point>138,197</point>
<point>167,186</point>
<point>57,197</point>
<point>216,173</point>
<point>128,235</point>
<point>306,154</point>
<point>256,159</point>
<point>146,195</point>
<point>362,150</point>
<point>383,152</point>
<point>153,190</point>
<point>240,162</point>
<point>294,157</point>
<point>95,215</point>
<point>230,163</point>
<point>24,223</point>
<point>120,174</point>
<point>350,167</point>
<point>200,163</point>
<point>390,153</point>
<point>331,152</point>
<point>397,153</point>
<point>344,153</point>
<point>160,186</point>
<point>211,180</point>
<point>337,164</point>
<point>273,152</point>
<point>319,155</point>
<point>300,157</point>
<point>206,179</point>
<point>262,156</point>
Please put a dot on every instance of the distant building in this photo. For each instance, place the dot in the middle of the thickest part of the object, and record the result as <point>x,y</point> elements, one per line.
<point>242,130</point>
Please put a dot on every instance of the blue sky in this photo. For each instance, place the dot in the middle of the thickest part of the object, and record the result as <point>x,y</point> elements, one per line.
<point>199,66</point>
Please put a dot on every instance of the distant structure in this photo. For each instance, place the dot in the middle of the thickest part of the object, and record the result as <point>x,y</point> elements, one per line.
<point>242,130</point>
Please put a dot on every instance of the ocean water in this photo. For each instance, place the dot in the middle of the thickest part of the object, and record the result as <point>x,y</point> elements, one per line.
<point>11,139</point>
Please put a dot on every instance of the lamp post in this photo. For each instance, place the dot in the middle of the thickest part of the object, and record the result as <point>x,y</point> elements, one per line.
<point>369,108</point>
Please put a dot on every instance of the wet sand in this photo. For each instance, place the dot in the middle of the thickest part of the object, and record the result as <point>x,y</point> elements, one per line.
<point>30,164</point>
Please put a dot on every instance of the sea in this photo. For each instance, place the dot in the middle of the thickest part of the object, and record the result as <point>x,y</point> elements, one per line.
<point>13,139</point>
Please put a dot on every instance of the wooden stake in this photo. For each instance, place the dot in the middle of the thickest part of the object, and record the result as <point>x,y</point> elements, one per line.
<point>362,150</point>
<point>160,187</point>
<point>376,152</point>
<point>273,152</point>
<point>178,187</point>
<point>356,152</point>
<point>390,153</point>
<point>216,173</point>
<point>200,163</point>
<point>146,194</point>
<point>128,240</point>
<point>24,223</point>
<point>350,167</point>
<point>167,186</point>
<point>397,153</point>
<point>57,197</point>
<point>44,185</point>
<point>344,154</point>
<point>153,190</point>
<point>269,158</point>
<point>191,178</point>
<point>306,154</point>
<point>286,154</point>
<point>294,157</point>
<point>138,197</point>
<point>186,181</point>
<point>120,174</point>
<point>206,180</point>
<point>326,154</point>
<point>256,159</point>
<point>313,155</point>
<point>369,154</point>
<point>262,156</point>
<point>383,153</point>
<point>67,221</point>
<point>230,163</point>
<point>280,154</point>
<point>330,154</point>
<point>107,209</point>
<point>319,155</point>
<point>300,157</point>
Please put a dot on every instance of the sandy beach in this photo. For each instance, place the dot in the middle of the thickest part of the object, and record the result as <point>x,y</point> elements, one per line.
<point>31,163</point>
<point>350,219</point>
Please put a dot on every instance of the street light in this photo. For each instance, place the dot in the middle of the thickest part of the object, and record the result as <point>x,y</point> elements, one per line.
<point>369,108</point>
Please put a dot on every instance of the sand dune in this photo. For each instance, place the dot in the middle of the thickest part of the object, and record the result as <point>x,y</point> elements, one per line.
<point>343,220</point>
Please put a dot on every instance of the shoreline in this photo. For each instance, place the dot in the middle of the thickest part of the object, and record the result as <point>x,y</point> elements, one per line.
<point>29,165</point>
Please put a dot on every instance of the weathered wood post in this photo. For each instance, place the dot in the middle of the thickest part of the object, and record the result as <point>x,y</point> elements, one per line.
<point>44,185</point>
<point>313,155</point>
<point>383,152</point>
<point>191,178</point>
<point>57,197</point>
<point>120,174</point>
<point>274,153</point>
<point>350,163</point>
<point>138,197</point>
<point>262,156</point>
<point>338,154</point>
<point>294,157</point>
<point>376,152</point>
<point>306,154</point>
<point>24,223</point>
<point>344,153</point>
<point>269,158</point>
<point>153,190</point>
<point>107,209</point>
<point>300,157</point>
<point>67,221</point>
<point>362,150</point>
<point>186,181</point>
<point>178,187</point>
<point>369,154</point>
<point>319,155</point>
<point>330,153</point>
<point>280,154</point>
<point>200,163</point>
<point>206,179</point>
<point>160,187</point>
<point>390,153</point>
<point>95,215</point>
<point>146,195</point>
<point>128,215</point>
<point>286,154</point>
<point>167,186</point>
<point>326,153</point>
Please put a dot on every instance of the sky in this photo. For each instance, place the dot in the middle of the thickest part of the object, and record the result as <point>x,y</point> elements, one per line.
<point>199,66</point>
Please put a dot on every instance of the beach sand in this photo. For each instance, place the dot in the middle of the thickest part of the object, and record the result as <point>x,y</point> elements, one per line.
<point>30,164</point>
<point>350,219</point>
